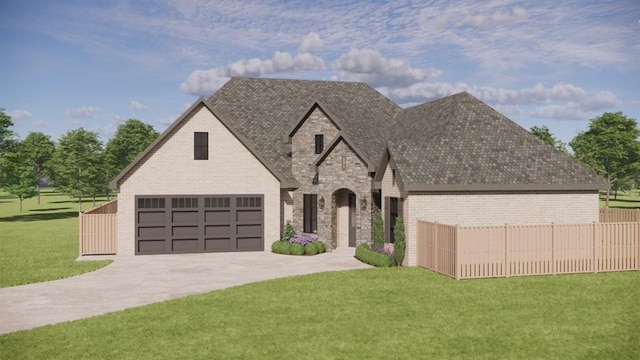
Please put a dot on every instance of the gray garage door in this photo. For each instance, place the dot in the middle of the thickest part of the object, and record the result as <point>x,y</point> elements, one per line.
<point>168,224</point>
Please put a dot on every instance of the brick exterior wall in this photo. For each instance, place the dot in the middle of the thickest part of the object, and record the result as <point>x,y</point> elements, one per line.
<point>473,209</point>
<point>171,170</point>
<point>331,178</point>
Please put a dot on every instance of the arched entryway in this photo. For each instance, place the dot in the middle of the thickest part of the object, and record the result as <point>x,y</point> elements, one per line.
<point>344,218</point>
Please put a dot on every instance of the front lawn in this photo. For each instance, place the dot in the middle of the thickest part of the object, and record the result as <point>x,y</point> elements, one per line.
<point>391,313</point>
<point>41,243</point>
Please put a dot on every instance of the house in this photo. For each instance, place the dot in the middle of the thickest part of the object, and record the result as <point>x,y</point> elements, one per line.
<point>234,168</point>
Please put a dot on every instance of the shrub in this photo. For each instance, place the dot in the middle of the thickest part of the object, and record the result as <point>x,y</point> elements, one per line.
<point>297,249</point>
<point>398,237</point>
<point>275,247</point>
<point>384,251</point>
<point>288,232</point>
<point>368,256</point>
<point>311,248</point>
<point>285,247</point>
<point>321,247</point>
<point>378,230</point>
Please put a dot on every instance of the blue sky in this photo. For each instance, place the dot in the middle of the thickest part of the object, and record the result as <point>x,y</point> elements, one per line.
<point>94,64</point>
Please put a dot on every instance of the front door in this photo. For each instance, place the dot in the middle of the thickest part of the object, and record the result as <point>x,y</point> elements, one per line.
<point>352,220</point>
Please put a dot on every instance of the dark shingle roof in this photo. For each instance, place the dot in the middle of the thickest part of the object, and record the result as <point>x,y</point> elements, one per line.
<point>265,110</point>
<point>459,141</point>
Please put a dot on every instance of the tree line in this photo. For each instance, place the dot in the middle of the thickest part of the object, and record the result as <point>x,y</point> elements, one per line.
<point>610,147</point>
<point>79,164</point>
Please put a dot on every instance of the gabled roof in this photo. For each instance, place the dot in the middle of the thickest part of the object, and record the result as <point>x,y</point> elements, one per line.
<point>334,142</point>
<point>265,110</point>
<point>115,183</point>
<point>459,143</point>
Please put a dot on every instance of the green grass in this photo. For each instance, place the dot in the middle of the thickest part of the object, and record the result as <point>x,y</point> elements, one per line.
<point>625,199</point>
<point>392,313</point>
<point>41,243</point>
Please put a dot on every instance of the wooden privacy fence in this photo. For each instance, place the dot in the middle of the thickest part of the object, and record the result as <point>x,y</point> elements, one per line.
<point>502,251</point>
<point>619,215</point>
<point>98,230</point>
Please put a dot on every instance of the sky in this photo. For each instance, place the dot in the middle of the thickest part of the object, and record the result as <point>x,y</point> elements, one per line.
<point>95,64</point>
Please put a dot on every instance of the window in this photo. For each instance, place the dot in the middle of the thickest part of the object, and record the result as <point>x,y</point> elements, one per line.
<point>310,216</point>
<point>319,143</point>
<point>201,146</point>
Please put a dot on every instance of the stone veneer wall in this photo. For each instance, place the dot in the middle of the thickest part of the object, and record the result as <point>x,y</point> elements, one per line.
<point>331,178</point>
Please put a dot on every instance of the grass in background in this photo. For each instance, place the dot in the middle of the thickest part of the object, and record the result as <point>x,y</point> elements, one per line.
<point>625,199</point>
<point>395,313</point>
<point>41,243</point>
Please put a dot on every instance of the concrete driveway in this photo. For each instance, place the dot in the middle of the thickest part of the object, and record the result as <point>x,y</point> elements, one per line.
<point>141,280</point>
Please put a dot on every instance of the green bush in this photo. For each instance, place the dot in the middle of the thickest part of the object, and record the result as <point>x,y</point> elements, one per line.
<point>378,231</point>
<point>288,232</point>
<point>285,248</point>
<point>398,240</point>
<point>311,248</point>
<point>368,256</point>
<point>297,249</point>
<point>321,247</point>
<point>275,247</point>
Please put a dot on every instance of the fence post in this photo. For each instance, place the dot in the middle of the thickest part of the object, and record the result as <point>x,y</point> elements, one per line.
<point>594,268</point>
<point>506,271</point>
<point>553,248</point>
<point>456,261</point>
<point>435,247</point>
<point>636,216</point>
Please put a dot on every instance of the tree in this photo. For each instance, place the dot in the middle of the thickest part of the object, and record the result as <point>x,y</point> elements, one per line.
<point>78,168</point>
<point>130,139</point>
<point>6,135</point>
<point>610,147</point>
<point>545,135</point>
<point>38,149</point>
<point>19,178</point>
<point>378,231</point>
<point>399,244</point>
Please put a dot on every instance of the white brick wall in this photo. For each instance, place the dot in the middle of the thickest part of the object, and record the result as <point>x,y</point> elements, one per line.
<point>496,209</point>
<point>388,188</point>
<point>171,170</point>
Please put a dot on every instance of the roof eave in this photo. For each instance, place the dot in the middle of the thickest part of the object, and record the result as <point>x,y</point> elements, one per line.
<point>503,187</point>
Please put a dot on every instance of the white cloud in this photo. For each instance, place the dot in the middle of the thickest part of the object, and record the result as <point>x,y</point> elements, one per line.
<point>205,82</point>
<point>110,128</point>
<point>311,43</point>
<point>137,106</point>
<point>371,67</point>
<point>19,114</point>
<point>561,101</point>
<point>85,112</point>
<point>39,124</point>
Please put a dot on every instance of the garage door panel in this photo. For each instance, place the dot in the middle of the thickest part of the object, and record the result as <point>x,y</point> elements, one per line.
<point>218,216</point>
<point>251,216</point>
<point>151,246</point>
<point>217,244</point>
<point>217,230</point>
<point>154,231</point>
<point>251,230</point>
<point>155,217</point>
<point>185,245</point>
<point>184,217</point>
<point>249,243</point>
<point>197,223</point>
<point>184,231</point>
